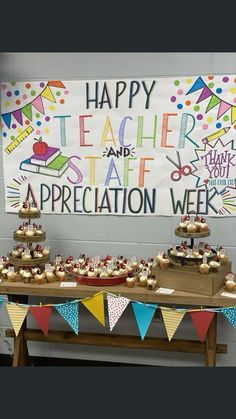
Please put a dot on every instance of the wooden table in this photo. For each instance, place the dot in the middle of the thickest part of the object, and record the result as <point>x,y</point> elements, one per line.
<point>18,291</point>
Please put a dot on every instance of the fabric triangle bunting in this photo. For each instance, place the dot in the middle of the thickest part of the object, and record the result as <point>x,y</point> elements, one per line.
<point>233,114</point>
<point>204,95</point>
<point>202,321</point>
<point>95,305</point>
<point>172,319</point>
<point>199,84</point>
<point>38,104</point>
<point>70,313</point>
<point>56,83</point>
<point>42,316</point>
<point>143,314</point>
<point>7,119</point>
<point>27,111</point>
<point>224,107</point>
<point>47,94</point>
<point>116,306</point>
<point>18,116</point>
<point>17,315</point>
<point>213,102</point>
<point>230,314</point>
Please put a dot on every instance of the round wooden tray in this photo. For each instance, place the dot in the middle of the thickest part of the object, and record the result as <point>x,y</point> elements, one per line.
<point>29,215</point>
<point>192,235</point>
<point>88,280</point>
<point>26,239</point>
<point>30,262</point>
<point>184,261</point>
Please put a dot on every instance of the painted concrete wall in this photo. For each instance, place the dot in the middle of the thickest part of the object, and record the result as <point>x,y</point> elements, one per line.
<point>112,234</point>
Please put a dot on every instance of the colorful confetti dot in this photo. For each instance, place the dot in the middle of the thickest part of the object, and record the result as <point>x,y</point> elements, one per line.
<point>46,130</point>
<point>9,93</point>
<point>199,116</point>
<point>28,85</point>
<point>12,137</point>
<point>33,92</point>
<point>187,103</point>
<point>37,115</point>
<point>13,83</point>
<point>179,106</point>
<point>180,92</point>
<point>210,85</point>
<point>210,77</point>
<point>218,125</point>
<point>18,102</point>
<point>234,99</point>
<point>4,134</point>
<point>225,79</point>
<point>38,132</point>
<point>196,108</point>
<point>66,92</point>
<point>235,126</point>
<point>13,126</point>
<point>173,98</point>
<point>52,108</point>
<point>58,93</point>
<point>176,82</point>
<point>47,118</point>
<point>62,101</point>
<point>189,81</point>
<point>232,90</point>
<point>205,126</point>
<point>25,96</point>
<point>42,84</point>
<point>16,92</point>
<point>4,86</point>
<point>226,118</point>
<point>6,104</point>
<point>209,119</point>
<point>38,123</point>
<point>219,90</point>
<point>27,122</point>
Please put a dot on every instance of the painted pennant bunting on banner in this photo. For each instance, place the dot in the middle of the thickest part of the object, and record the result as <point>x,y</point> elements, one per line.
<point>230,314</point>
<point>17,315</point>
<point>116,306</point>
<point>95,305</point>
<point>70,313</point>
<point>202,321</point>
<point>42,316</point>
<point>172,319</point>
<point>143,314</point>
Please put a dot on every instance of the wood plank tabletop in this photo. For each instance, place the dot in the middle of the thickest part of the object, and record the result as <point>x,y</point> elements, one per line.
<point>135,294</point>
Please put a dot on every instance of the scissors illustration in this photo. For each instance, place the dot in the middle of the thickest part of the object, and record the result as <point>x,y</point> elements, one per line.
<point>182,170</point>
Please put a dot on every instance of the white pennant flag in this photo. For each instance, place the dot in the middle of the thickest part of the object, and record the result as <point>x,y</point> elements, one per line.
<point>116,306</point>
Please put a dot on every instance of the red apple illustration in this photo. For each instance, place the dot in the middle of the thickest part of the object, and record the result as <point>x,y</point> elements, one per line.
<point>40,147</point>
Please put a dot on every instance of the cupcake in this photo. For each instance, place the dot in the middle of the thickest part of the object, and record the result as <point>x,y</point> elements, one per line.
<point>60,273</point>
<point>11,276</point>
<point>164,262</point>
<point>130,281</point>
<point>191,228</point>
<point>27,276</point>
<point>40,277</point>
<point>203,225</point>
<point>204,268</point>
<point>33,208</point>
<point>25,208</point>
<point>26,256</point>
<point>197,222</point>
<point>143,280</point>
<point>38,230</point>
<point>223,258</point>
<point>214,265</point>
<point>151,283</point>
<point>91,272</point>
<point>30,233</point>
<point>230,283</point>
<point>20,231</point>
<point>50,276</point>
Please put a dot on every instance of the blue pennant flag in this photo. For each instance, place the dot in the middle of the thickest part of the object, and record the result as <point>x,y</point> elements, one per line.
<point>1,301</point>
<point>70,313</point>
<point>230,314</point>
<point>143,314</point>
<point>199,84</point>
<point>7,119</point>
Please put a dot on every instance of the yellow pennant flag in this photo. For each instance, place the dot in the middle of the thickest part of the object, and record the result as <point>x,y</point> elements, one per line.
<point>95,305</point>
<point>233,114</point>
<point>172,319</point>
<point>17,315</point>
<point>47,94</point>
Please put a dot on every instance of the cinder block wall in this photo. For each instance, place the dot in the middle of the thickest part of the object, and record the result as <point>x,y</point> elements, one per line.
<point>113,234</point>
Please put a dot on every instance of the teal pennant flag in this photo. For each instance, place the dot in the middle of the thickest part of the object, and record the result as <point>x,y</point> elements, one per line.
<point>143,314</point>
<point>230,314</point>
<point>70,313</point>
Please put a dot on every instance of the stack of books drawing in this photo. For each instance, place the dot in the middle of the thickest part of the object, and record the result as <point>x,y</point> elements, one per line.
<point>52,163</point>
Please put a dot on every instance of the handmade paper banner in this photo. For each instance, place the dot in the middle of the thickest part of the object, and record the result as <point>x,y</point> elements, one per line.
<point>172,319</point>
<point>202,321</point>
<point>153,146</point>
<point>95,305</point>
<point>17,315</point>
<point>116,306</point>
<point>70,313</point>
<point>143,314</point>
<point>42,316</point>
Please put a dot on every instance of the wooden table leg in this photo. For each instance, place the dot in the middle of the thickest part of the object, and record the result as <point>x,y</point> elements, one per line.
<point>210,354</point>
<point>21,356</point>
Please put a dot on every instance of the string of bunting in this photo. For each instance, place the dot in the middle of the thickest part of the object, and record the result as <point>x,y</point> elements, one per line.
<point>143,312</point>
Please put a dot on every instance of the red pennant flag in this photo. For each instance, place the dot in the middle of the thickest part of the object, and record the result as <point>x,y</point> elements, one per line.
<point>42,316</point>
<point>202,321</point>
<point>56,83</point>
